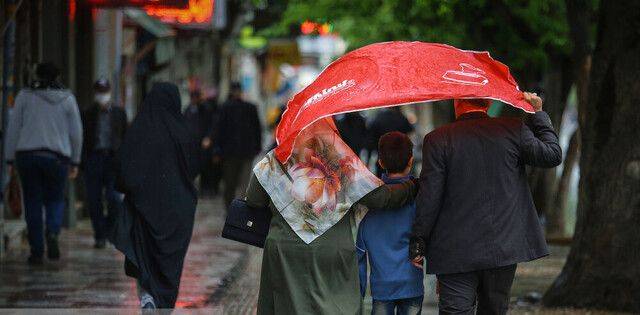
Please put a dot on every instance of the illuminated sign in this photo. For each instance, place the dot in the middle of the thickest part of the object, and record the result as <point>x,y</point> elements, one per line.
<point>197,13</point>
<point>309,28</point>
<point>139,3</point>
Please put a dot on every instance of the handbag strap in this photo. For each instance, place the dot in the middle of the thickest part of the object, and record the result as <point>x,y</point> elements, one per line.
<point>284,171</point>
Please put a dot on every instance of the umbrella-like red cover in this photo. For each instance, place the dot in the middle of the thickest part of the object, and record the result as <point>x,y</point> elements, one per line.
<point>396,73</point>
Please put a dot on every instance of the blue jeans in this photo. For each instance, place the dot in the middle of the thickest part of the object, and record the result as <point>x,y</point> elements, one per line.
<point>410,306</point>
<point>43,181</point>
<point>100,179</point>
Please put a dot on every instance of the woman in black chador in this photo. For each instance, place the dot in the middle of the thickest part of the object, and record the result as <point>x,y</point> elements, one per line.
<point>158,162</point>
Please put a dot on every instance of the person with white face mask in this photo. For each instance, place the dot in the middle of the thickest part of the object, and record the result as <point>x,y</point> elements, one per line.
<point>103,99</point>
<point>104,127</point>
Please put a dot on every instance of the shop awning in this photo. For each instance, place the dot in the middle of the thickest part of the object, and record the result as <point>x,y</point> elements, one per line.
<point>150,24</point>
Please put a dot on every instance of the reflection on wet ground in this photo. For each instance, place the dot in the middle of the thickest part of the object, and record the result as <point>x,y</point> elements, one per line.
<point>220,276</point>
<point>94,278</point>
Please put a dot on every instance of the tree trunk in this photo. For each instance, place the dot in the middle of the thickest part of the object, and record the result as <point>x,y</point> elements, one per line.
<point>603,267</point>
<point>579,13</point>
<point>557,217</point>
<point>543,181</point>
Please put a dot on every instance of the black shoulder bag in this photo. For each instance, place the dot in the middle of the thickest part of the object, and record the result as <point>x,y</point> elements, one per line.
<point>246,224</point>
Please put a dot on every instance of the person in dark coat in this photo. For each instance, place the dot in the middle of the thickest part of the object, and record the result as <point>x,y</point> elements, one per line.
<point>475,216</point>
<point>104,126</point>
<point>353,130</point>
<point>214,170</point>
<point>238,140</point>
<point>387,120</point>
<point>198,117</point>
<point>158,162</point>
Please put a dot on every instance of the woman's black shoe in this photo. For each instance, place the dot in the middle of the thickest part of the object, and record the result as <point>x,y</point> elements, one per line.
<point>35,260</point>
<point>53,251</point>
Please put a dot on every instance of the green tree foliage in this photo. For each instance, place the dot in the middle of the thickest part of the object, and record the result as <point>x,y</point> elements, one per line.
<point>522,34</point>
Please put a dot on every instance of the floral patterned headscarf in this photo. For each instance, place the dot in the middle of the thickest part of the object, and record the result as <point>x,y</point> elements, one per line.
<point>319,183</point>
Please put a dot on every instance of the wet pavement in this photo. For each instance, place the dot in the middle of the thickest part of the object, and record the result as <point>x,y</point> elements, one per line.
<point>94,278</point>
<point>531,277</point>
<point>219,277</point>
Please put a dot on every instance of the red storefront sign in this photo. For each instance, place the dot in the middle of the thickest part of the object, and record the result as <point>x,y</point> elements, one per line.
<point>197,13</point>
<point>139,3</point>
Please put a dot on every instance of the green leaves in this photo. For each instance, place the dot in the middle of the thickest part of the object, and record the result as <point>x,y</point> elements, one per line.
<point>519,33</point>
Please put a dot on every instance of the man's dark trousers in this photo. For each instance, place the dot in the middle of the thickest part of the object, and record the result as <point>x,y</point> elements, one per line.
<point>488,289</point>
<point>235,175</point>
<point>100,179</point>
<point>43,177</point>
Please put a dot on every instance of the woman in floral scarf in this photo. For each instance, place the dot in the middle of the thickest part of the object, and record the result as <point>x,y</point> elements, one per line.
<point>309,263</point>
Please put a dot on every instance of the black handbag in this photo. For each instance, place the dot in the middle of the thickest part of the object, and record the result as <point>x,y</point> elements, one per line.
<point>246,224</point>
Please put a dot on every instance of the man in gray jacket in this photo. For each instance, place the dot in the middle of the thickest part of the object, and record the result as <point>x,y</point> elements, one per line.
<point>44,141</point>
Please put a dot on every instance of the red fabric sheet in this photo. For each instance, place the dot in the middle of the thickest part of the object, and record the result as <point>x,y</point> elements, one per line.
<point>396,73</point>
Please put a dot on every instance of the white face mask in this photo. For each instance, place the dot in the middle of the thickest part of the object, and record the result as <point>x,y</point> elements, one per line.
<point>102,98</point>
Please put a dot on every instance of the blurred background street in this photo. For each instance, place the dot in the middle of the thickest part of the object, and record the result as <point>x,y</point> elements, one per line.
<point>580,56</point>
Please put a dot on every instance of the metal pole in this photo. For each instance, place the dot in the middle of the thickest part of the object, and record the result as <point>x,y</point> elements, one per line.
<point>117,57</point>
<point>8,37</point>
<point>13,16</point>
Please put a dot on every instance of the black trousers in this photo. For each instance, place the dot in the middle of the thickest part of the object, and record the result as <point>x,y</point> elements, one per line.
<point>235,175</point>
<point>100,177</point>
<point>487,289</point>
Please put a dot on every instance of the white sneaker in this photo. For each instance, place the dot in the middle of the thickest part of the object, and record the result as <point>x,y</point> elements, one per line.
<point>147,302</point>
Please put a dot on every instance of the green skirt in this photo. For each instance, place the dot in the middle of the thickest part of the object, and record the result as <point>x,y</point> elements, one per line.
<point>316,278</point>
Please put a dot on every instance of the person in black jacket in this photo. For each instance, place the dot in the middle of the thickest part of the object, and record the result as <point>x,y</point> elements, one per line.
<point>212,173</point>
<point>198,117</point>
<point>475,216</point>
<point>353,130</point>
<point>238,139</point>
<point>104,126</point>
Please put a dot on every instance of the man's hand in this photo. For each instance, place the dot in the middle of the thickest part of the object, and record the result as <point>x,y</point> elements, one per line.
<point>206,143</point>
<point>73,172</point>
<point>534,100</point>
<point>418,262</point>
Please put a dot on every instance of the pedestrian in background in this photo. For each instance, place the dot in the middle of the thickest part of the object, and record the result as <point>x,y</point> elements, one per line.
<point>44,139</point>
<point>386,120</point>
<point>214,162</point>
<point>238,141</point>
<point>213,166</point>
<point>157,164</point>
<point>104,127</point>
<point>353,130</point>
<point>274,116</point>
<point>198,118</point>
